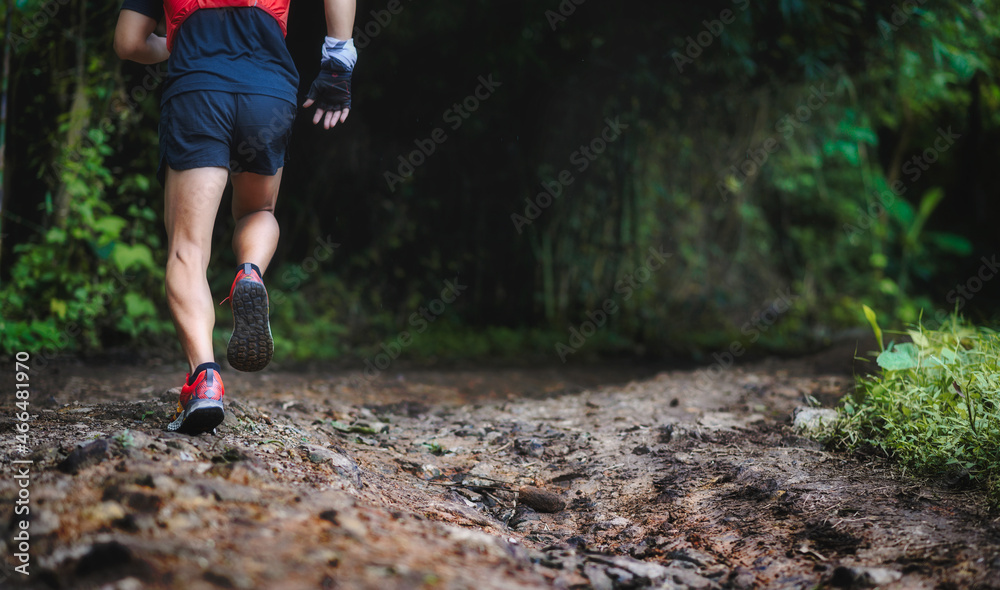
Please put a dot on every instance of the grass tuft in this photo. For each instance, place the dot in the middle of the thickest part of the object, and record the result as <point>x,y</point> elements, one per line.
<point>935,406</point>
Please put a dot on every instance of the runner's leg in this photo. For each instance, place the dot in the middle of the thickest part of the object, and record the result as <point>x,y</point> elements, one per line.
<point>192,202</point>
<point>256,236</point>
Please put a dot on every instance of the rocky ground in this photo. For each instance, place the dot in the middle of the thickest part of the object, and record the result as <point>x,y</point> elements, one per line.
<point>601,477</point>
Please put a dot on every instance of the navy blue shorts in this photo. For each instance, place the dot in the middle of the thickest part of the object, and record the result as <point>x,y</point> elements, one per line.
<point>241,132</point>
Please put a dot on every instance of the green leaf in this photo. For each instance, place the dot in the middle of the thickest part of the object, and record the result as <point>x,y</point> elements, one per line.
<point>126,256</point>
<point>950,243</point>
<point>58,307</point>
<point>139,306</point>
<point>109,228</point>
<point>898,358</point>
<point>928,203</point>
<point>56,236</point>
<point>870,315</point>
<point>918,338</point>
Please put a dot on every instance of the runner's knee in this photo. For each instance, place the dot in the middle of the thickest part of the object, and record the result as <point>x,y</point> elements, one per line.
<point>245,207</point>
<point>187,253</point>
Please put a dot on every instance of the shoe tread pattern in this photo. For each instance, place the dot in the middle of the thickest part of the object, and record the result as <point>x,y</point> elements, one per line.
<point>251,346</point>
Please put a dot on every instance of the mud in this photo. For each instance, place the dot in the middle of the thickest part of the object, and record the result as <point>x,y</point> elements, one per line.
<point>611,476</point>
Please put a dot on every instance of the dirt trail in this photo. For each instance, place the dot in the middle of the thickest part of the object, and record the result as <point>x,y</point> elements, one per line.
<point>656,479</point>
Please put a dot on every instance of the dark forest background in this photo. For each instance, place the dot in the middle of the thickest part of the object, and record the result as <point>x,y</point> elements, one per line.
<point>788,161</point>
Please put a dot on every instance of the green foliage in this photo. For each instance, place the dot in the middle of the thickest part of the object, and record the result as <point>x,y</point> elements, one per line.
<point>730,165</point>
<point>935,407</point>
<point>88,276</point>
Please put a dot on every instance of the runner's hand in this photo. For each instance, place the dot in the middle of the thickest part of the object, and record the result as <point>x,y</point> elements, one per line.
<point>331,93</point>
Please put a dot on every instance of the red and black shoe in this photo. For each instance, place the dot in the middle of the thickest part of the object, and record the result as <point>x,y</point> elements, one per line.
<point>251,346</point>
<point>200,406</point>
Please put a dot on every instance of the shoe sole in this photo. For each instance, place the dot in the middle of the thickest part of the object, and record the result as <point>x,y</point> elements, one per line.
<point>202,415</point>
<point>251,346</point>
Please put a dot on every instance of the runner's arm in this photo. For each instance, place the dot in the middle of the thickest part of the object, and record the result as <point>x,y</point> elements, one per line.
<point>339,25</point>
<point>340,18</point>
<point>135,41</point>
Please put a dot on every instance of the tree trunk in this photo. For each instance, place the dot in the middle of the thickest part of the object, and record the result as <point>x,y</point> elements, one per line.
<point>79,115</point>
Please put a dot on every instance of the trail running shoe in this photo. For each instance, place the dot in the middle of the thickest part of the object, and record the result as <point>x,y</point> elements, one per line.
<point>251,346</point>
<point>199,408</point>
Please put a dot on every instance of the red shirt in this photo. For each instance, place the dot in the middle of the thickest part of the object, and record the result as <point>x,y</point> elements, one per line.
<point>178,10</point>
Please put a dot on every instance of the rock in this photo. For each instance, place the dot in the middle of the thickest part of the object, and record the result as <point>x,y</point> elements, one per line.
<point>231,455</point>
<point>531,447</point>
<point>494,438</point>
<point>607,525</point>
<point>648,573</point>
<point>347,468</point>
<point>45,454</point>
<point>230,421</point>
<point>522,514</point>
<point>133,497</point>
<point>470,495</point>
<point>318,454</point>
<point>84,456</point>
<point>104,513</point>
<point>196,495</point>
<point>228,579</point>
<point>620,577</point>
<point>245,472</point>
<point>863,577</point>
<point>171,395</point>
<point>484,469</point>
<point>690,580</point>
<point>478,542</point>
<point>225,491</point>
<point>125,584</point>
<point>742,578</point>
<point>598,579</point>
<point>814,421</point>
<point>41,522</point>
<point>699,558</point>
<point>343,465</point>
<point>132,439</point>
<point>539,499</point>
<point>137,523</point>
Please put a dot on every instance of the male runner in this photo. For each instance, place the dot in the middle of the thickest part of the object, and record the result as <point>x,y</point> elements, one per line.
<point>226,114</point>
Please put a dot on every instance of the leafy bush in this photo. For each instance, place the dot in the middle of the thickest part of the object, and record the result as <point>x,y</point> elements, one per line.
<point>92,271</point>
<point>936,405</point>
